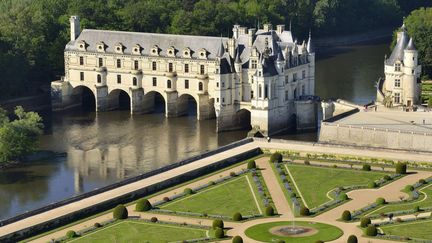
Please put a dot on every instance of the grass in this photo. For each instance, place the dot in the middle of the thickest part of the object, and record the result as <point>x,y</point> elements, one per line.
<point>261,232</point>
<point>131,231</point>
<point>223,199</point>
<point>314,182</point>
<point>419,230</point>
<point>425,200</point>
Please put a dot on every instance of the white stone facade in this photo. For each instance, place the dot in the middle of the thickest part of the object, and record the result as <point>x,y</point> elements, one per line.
<point>262,74</point>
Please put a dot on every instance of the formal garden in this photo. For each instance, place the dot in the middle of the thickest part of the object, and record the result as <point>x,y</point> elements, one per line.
<point>416,231</point>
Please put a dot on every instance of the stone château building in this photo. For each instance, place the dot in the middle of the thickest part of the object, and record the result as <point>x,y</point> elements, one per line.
<point>402,85</point>
<point>261,78</point>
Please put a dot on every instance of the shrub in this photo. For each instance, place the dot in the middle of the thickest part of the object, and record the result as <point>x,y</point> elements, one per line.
<point>372,184</point>
<point>364,222</point>
<point>371,230</point>
<point>153,219</point>
<point>304,211</point>
<point>416,209</point>
<point>401,168</point>
<point>346,215</point>
<point>280,241</point>
<point>217,223</point>
<point>387,178</point>
<point>293,194</point>
<point>380,201</point>
<point>188,191</point>
<point>251,164</point>
<point>219,233</point>
<point>97,225</point>
<point>319,241</point>
<point>343,196</point>
<point>307,162</point>
<point>269,211</point>
<point>398,220</point>
<point>233,174</point>
<point>237,239</point>
<point>409,188</point>
<point>143,205</point>
<point>120,212</point>
<point>71,234</point>
<point>276,157</point>
<point>237,217</point>
<point>166,199</point>
<point>422,181</point>
<point>352,239</point>
<point>334,166</point>
<point>212,183</point>
<point>366,167</point>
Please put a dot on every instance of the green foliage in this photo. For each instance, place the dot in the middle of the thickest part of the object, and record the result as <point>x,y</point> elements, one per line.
<point>143,205</point>
<point>219,233</point>
<point>371,230</point>
<point>401,168</point>
<point>346,215</point>
<point>304,211</point>
<point>352,239</point>
<point>276,157</point>
<point>409,188</point>
<point>319,241</point>
<point>188,191</point>
<point>97,225</point>
<point>120,212</point>
<point>422,181</point>
<point>251,164</point>
<point>429,104</point>
<point>387,178</point>
<point>366,167</point>
<point>71,234</point>
<point>218,223</point>
<point>417,209</point>
<point>153,219</point>
<point>269,211</point>
<point>343,196</point>
<point>19,137</point>
<point>372,184</point>
<point>237,217</point>
<point>237,239</point>
<point>364,222</point>
<point>380,201</point>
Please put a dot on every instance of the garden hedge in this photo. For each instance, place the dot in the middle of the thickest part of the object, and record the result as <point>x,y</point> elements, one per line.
<point>120,212</point>
<point>143,205</point>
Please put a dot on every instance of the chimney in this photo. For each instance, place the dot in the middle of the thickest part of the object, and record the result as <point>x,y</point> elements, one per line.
<point>242,30</point>
<point>268,27</point>
<point>236,31</point>
<point>75,27</point>
<point>231,47</point>
<point>280,28</point>
<point>251,36</point>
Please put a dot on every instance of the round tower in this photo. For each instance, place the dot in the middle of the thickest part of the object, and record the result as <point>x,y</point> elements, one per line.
<point>411,91</point>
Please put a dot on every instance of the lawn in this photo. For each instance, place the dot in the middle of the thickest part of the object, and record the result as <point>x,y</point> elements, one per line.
<point>420,230</point>
<point>133,231</point>
<point>223,199</point>
<point>314,182</point>
<point>425,200</point>
<point>261,232</point>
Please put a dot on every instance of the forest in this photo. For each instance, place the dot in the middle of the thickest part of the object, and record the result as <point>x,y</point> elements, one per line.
<point>33,33</point>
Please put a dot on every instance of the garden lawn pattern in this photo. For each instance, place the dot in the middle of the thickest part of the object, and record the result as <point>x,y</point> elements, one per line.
<point>224,199</point>
<point>425,200</point>
<point>131,231</point>
<point>315,182</point>
<point>420,229</point>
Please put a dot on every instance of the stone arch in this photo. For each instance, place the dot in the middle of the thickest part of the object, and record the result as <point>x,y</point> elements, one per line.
<point>243,118</point>
<point>119,99</point>
<point>154,102</point>
<point>188,105</point>
<point>85,96</point>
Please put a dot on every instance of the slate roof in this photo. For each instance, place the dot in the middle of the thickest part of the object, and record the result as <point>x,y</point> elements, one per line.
<point>398,51</point>
<point>411,46</point>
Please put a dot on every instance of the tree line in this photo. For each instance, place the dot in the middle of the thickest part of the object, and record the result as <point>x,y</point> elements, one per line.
<point>33,33</point>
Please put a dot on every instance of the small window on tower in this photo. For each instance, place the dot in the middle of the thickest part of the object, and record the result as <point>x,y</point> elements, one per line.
<point>118,63</point>
<point>397,67</point>
<point>81,60</point>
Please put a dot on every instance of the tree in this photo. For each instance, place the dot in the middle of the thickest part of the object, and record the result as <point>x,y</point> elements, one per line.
<point>251,164</point>
<point>352,239</point>
<point>219,233</point>
<point>237,217</point>
<point>401,168</point>
<point>380,201</point>
<point>372,184</point>
<point>237,239</point>
<point>276,157</point>
<point>120,212</point>
<point>429,101</point>
<point>346,215</point>
<point>218,223</point>
<point>71,234</point>
<point>366,167</point>
<point>188,191</point>
<point>143,205</point>
<point>269,211</point>
<point>371,230</point>
<point>364,222</point>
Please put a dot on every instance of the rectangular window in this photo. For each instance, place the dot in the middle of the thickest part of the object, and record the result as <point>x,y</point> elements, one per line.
<point>170,67</point>
<point>119,79</point>
<point>294,77</point>
<point>217,100</point>
<point>303,74</point>
<point>134,81</point>
<point>397,83</point>
<point>397,98</point>
<point>136,65</point>
<point>154,66</point>
<point>286,95</point>
<point>223,100</point>
<point>118,63</point>
<point>82,76</point>
<point>186,68</point>
<point>81,61</point>
<point>286,79</point>
<point>217,84</point>
<point>303,90</point>
<point>252,94</point>
<point>186,84</point>
<point>154,81</point>
<point>202,69</point>
<point>397,67</point>
<point>266,91</point>
<point>254,64</point>
<point>100,62</point>
<point>223,84</point>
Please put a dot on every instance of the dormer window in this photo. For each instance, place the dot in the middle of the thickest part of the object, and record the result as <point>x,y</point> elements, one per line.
<point>119,48</point>
<point>187,53</point>
<point>136,50</point>
<point>82,45</point>
<point>171,52</point>
<point>101,47</point>
<point>202,54</point>
<point>155,51</point>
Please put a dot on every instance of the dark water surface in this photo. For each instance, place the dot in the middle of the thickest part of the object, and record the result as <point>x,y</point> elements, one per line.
<point>107,147</point>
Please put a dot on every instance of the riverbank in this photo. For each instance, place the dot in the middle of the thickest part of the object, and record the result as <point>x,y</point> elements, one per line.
<point>370,37</point>
<point>36,156</point>
<point>41,102</point>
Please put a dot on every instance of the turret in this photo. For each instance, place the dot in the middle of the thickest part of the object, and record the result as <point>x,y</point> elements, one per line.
<point>75,29</point>
<point>410,55</point>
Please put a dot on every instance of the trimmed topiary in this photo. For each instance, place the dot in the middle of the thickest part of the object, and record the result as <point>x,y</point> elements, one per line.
<point>233,174</point>
<point>153,219</point>
<point>237,217</point>
<point>143,205</point>
<point>422,181</point>
<point>120,212</point>
<point>364,222</point>
<point>218,223</point>
<point>280,241</point>
<point>251,164</point>
<point>416,209</point>
<point>293,194</point>
<point>71,234</point>
<point>166,199</point>
<point>409,188</point>
<point>212,183</point>
<point>307,162</point>
<point>372,184</point>
<point>380,201</point>
<point>219,233</point>
<point>188,191</point>
<point>343,196</point>
<point>97,225</point>
<point>352,239</point>
<point>346,215</point>
<point>237,239</point>
<point>366,167</point>
<point>276,157</point>
<point>371,230</point>
<point>387,178</point>
<point>319,241</point>
<point>304,211</point>
<point>401,168</point>
<point>269,211</point>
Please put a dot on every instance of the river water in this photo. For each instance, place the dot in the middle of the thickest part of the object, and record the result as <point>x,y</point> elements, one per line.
<point>107,147</point>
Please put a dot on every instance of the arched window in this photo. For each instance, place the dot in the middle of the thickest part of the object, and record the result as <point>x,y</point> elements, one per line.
<point>260,91</point>
<point>169,84</point>
<point>200,86</point>
<point>295,93</point>
<point>266,91</point>
<point>134,81</point>
<point>99,78</point>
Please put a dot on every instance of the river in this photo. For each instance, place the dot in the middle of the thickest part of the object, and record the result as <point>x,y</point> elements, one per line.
<point>106,147</point>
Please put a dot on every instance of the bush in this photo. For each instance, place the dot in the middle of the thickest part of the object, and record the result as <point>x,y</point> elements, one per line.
<point>237,239</point>
<point>233,174</point>
<point>212,183</point>
<point>97,225</point>
<point>71,234</point>
<point>387,178</point>
<point>166,199</point>
<point>276,157</point>
<point>401,168</point>
<point>422,181</point>
<point>188,191</point>
<point>304,211</point>
<point>217,223</point>
<point>280,241</point>
<point>346,215</point>
<point>352,239</point>
<point>219,233</point>
<point>251,164</point>
<point>120,212</point>
<point>307,162</point>
<point>372,184</point>
<point>269,211</point>
<point>153,219</point>
<point>364,222</point>
<point>343,196</point>
<point>143,205</point>
<point>416,209</point>
<point>366,167</point>
<point>371,230</point>
<point>237,217</point>
<point>409,188</point>
<point>293,194</point>
<point>319,241</point>
<point>380,201</point>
